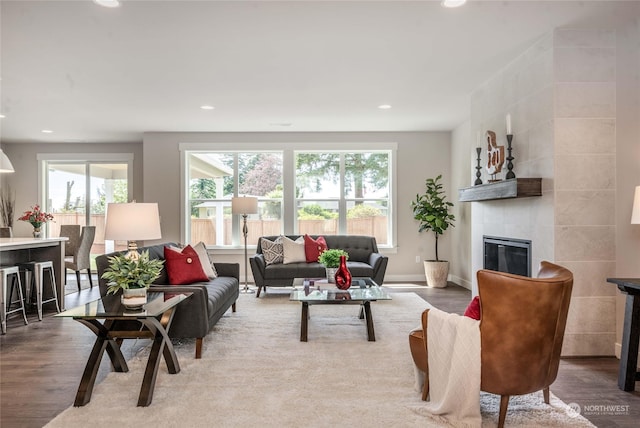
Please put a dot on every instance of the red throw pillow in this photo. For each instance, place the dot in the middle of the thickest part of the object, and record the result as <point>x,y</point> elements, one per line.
<point>313,248</point>
<point>473,310</point>
<point>183,267</point>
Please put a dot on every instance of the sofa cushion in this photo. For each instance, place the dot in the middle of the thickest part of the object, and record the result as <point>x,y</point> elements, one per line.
<point>313,248</point>
<point>207,265</point>
<point>293,250</point>
<point>273,250</point>
<point>183,267</point>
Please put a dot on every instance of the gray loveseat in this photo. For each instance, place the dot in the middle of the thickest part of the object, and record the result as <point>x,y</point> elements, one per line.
<point>210,300</point>
<point>364,261</point>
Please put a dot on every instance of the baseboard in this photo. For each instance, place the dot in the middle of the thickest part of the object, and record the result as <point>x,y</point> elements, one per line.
<point>461,282</point>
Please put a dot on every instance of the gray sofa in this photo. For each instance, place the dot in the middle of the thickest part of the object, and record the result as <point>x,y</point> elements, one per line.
<point>364,261</point>
<point>210,300</point>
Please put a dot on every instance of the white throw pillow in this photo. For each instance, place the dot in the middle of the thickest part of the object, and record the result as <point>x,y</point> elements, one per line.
<point>207,265</point>
<point>272,250</point>
<point>293,250</point>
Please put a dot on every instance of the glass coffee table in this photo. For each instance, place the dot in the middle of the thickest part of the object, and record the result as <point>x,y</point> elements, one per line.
<point>152,322</point>
<point>317,291</point>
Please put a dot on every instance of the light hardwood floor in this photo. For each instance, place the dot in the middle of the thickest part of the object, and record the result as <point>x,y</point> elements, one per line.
<point>41,365</point>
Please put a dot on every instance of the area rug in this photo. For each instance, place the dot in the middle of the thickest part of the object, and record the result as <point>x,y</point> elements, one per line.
<point>255,372</point>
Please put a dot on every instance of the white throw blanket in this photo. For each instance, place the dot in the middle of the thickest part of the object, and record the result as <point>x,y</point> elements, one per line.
<point>454,368</point>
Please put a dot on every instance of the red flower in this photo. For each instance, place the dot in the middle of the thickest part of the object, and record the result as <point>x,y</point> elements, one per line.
<point>35,216</point>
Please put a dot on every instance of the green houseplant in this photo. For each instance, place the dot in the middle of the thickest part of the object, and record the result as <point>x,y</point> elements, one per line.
<point>331,261</point>
<point>431,209</point>
<point>133,277</point>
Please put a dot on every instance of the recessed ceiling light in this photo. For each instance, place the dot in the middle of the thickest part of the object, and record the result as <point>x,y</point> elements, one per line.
<point>47,131</point>
<point>2,116</point>
<point>453,3</point>
<point>206,107</point>
<point>384,107</point>
<point>107,3</point>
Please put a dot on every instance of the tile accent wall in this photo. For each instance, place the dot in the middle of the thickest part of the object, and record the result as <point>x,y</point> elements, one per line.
<point>561,97</point>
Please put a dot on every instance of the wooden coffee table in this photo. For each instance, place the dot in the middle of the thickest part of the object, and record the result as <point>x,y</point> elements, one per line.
<point>152,322</point>
<point>363,291</point>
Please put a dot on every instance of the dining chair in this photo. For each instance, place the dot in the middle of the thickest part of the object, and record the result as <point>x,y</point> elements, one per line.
<point>72,233</point>
<point>81,259</point>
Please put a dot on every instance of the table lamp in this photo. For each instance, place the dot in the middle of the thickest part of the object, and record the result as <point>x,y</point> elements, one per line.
<point>635,214</point>
<point>244,206</point>
<point>132,222</point>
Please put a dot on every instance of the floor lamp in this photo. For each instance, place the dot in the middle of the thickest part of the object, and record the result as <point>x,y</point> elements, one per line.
<point>244,206</point>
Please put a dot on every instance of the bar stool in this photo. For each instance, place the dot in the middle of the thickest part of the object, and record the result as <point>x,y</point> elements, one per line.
<point>5,301</point>
<point>34,278</point>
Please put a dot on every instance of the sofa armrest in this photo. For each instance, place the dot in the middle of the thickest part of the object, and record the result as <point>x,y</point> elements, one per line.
<point>258,266</point>
<point>228,269</point>
<point>379,264</point>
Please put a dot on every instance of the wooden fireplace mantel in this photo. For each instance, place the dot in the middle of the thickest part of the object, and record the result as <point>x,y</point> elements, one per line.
<point>504,189</point>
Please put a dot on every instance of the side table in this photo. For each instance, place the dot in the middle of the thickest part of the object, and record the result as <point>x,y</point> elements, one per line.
<point>628,374</point>
<point>152,322</point>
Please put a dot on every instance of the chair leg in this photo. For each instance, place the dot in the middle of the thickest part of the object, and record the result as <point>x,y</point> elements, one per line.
<point>504,403</point>
<point>425,388</point>
<point>90,280</point>
<point>233,307</point>
<point>199,347</point>
<point>258,292</point>
<point>78,279</point>
<point>545,393</point>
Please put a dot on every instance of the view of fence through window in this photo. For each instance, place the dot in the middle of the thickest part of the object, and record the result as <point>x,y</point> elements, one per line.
<point>78,193</point>
<point>335,193</point>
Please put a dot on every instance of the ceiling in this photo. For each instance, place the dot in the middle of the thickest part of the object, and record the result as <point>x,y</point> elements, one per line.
<point>95,74</point>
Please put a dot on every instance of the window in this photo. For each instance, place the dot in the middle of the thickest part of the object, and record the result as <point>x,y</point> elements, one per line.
<point>77,188</point>
<point>215,177</point>
<point>342,189</point>
<point>344,193</point>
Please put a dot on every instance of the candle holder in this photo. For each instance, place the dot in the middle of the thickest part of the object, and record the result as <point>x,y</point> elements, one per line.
<point>510,173</point>
<point>478,168</point>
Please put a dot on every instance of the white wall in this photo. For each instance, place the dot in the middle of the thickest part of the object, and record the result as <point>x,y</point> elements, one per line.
<point>420,155</point>
<point>463,161</point>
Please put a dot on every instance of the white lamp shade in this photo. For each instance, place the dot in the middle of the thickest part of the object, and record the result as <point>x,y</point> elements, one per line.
<point>5,163</point>
<point>132,222</point>
<point>244,205</point>
<point>635,215</point>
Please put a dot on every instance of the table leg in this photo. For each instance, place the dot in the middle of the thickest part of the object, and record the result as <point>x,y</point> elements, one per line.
<point>102,343</point>
<point>304,320</point>
<point>627,374</point>
<point>371,335</point>
<point>161,344</point>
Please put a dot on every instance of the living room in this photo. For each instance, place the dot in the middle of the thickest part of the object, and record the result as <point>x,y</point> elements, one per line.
<point>570,87</point>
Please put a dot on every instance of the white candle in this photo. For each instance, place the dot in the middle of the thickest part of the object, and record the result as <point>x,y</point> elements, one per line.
<point>508,124</point>
<point>478,138</point>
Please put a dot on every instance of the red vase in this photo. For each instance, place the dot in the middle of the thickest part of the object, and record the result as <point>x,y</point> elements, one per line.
<point>343,276</point>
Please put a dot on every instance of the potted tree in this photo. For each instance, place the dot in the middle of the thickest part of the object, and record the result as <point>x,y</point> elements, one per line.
<point>432,212</point>
<point>331,261</point>
<point>133,277</point>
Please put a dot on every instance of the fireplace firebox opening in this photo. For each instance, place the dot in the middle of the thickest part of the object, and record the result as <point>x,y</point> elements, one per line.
<point>507,255</point>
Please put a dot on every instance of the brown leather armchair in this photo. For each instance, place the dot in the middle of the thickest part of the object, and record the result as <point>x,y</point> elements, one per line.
<point>521,331</point>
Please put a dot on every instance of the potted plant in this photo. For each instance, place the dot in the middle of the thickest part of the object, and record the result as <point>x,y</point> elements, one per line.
<point>37,218</point>
<point>331,261</point>
<point>432,212</point>
<point>133,277</point>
